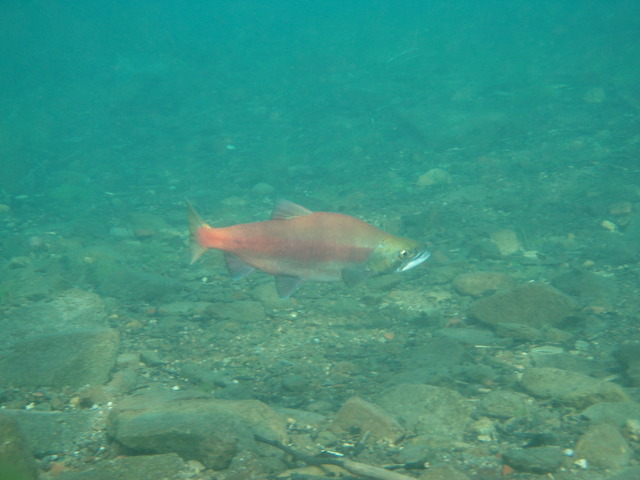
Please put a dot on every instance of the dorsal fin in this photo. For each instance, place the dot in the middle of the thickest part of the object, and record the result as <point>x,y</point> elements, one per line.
<point>285,210</point>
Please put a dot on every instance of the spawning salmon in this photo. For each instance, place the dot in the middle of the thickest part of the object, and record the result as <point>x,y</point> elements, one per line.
<point>298,245</point>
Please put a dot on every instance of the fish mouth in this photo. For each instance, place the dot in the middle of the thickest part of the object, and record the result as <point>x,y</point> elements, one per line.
<point>415,261</point>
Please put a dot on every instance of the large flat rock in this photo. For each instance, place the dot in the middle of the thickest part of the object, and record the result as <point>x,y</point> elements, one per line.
<point>534,304</point>
<point>70,358</point>
<point>215,432</point>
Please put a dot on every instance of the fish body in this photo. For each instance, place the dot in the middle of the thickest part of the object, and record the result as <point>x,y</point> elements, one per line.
<point>298,245</point>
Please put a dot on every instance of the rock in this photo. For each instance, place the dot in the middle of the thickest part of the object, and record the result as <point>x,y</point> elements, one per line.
<point>51,433</point>
<point>16,459</point>
<point>616,413</point>
<point>437,414</point>
<point>435,176</point>
<point>431,359</point>
<point>294,383</point>
<point>242,311</point>
<point>590,288</point>
<point>556,357</point>
<point>212,431</point>
<point>518,331</point>
<point>603,446</point>
<point>470,336</point>
<point>506,241</point>
<point>533,304</point>
<point>629,356</point>
<point>135,286</point>
<point>141,467</point>
<point>71,309</point>
<point>443,472</point>
<point>478,284</point>
<point>72,358</point>
<point>570,388</point>
<point>504,404</point>
<point>262,189</point>
<point>369,418</point>
<point>631,473</point>
<point>538,460</point>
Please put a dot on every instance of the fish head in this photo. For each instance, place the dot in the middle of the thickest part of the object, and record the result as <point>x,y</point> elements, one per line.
<point>396,254</point>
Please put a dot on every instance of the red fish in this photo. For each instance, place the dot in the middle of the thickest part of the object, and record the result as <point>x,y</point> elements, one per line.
<point>298,245</point>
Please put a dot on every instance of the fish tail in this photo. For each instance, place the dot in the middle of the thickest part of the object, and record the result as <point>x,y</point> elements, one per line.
<point>195,224</point>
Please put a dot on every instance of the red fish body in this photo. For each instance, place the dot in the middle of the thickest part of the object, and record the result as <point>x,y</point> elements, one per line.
<point>298,245</point>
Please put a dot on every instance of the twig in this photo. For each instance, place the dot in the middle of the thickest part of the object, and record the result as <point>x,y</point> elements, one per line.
<point>357,468</point>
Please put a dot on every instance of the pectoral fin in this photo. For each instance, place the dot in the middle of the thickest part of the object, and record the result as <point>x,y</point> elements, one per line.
<point>353,276</point>
<point>287,286</point>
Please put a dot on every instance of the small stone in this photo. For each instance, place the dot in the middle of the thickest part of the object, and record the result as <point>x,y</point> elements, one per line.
<point>603,446</point>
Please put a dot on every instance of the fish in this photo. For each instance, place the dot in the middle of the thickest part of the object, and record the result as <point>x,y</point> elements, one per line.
<point>297,245</point>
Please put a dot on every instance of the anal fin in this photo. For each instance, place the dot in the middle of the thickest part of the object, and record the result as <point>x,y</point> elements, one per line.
<point>287,286</point>
<point>237,267</point>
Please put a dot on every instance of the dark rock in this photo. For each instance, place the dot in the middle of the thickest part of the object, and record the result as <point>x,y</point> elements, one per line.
<point>16,459</point>
<point>72,358</point>
<point>539,460</point>
<point>533,304</point>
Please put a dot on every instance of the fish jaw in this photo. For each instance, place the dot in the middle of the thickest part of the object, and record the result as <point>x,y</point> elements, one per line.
<point>415,261</point>
<point>396,254</point>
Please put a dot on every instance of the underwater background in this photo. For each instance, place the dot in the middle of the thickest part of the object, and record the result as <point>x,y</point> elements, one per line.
<point>503,134</point>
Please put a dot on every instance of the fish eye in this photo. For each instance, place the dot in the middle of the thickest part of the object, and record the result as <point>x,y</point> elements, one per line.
<point>403,253</point>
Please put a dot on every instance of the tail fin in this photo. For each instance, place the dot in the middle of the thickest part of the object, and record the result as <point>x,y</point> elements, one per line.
<point>195,223</point>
